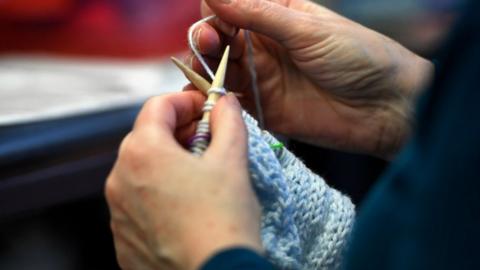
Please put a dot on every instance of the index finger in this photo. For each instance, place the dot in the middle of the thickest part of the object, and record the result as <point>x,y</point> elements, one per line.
<point>168,112</point>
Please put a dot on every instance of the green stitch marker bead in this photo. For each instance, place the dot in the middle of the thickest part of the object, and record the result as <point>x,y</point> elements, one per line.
<point>276,146</point>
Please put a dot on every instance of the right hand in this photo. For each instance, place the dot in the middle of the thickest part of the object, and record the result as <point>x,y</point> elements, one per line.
<point>323,78</point>
<point>170,209</point>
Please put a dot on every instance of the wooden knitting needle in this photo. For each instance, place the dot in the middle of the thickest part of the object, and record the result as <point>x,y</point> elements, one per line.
<point>197,80</point>
<point>218,81</point>
<point>200,141</point>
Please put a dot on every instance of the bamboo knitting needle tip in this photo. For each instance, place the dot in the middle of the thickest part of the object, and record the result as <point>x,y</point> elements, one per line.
<point>222,70</point>
<point>197,80</point>
<point>201,139</point>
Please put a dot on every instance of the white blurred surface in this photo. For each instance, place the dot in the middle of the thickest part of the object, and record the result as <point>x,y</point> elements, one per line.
<point>41,88</point>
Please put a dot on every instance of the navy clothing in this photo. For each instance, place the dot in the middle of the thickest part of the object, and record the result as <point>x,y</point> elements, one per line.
<point>237,259</point>
<point>425,211</point>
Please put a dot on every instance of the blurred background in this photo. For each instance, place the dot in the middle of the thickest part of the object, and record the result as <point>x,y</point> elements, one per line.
<point>73,74</point>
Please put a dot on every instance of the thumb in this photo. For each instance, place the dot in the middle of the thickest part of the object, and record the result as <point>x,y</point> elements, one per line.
<point>265,17</point>
<point>229,134</point>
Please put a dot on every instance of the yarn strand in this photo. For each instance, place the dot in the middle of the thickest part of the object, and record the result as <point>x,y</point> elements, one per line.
<point>194,48</point>
<point>305,223</point>
<point>251,65</point>
<point>253,74</point>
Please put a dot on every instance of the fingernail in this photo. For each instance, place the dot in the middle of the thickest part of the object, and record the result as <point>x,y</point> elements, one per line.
<point>239,95</point>
<point>232,100</point>
<point>226,28</point>
<point>189,61</point>
<point>196,38</point>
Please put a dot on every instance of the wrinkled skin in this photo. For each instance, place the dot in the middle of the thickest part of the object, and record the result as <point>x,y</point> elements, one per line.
<point>170,209</point>
<point>323,78</point>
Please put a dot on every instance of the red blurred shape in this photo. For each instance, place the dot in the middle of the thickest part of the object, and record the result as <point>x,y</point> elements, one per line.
<point>111,28</point>
<point>34,9</point>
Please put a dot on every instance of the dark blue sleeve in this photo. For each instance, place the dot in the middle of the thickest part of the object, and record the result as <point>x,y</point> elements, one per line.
<point>237,259</point>
<point>425,211</point>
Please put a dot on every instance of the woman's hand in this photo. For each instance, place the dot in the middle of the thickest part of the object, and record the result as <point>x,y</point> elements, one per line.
<point>170,209</point>
<point>323,78</point>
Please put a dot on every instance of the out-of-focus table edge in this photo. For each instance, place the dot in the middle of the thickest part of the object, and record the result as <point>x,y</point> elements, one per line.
<point>48,163</point>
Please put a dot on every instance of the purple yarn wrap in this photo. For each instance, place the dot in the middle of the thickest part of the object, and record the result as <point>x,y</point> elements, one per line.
<point>198,137</point>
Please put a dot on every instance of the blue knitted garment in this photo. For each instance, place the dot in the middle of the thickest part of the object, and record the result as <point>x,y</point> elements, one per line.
<point>305,223</point>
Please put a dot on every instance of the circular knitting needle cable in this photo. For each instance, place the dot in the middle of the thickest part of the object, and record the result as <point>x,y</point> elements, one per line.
<point>251,65</point>
<point>193,46</point>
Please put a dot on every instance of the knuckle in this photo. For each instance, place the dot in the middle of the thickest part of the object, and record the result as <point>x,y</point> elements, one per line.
<point>150,108</point>
<point>125,145</point>
<point>111,192</point>
<point>123,262</point>
<point>133,153</point>
<point>114,228</point>
<point>151,104</point>
<point>113,195</point>
<point>255,9</point>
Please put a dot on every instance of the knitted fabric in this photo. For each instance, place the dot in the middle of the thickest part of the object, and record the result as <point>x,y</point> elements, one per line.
<point>305,223</point>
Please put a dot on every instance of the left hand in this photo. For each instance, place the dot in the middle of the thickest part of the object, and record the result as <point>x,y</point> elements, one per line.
<point>170,209</point>
<point>323,78</point>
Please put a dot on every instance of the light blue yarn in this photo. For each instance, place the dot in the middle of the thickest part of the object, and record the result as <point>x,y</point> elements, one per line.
<point>305,223</point>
